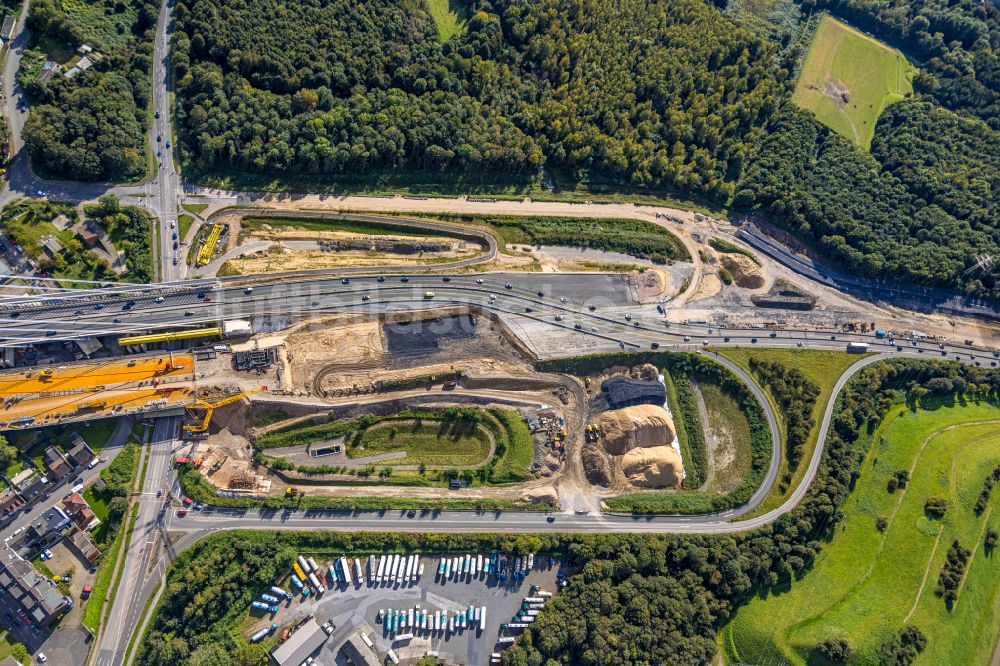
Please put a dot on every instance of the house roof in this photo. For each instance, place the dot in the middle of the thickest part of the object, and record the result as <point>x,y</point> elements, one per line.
<point>74,503</point>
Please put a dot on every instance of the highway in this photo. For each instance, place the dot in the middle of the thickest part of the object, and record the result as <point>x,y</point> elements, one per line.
<point>587,304</point>
<point>142,563</point>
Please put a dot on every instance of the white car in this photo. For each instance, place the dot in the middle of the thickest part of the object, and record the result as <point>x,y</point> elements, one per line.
<point>479,281</point>
<point>42,658</point>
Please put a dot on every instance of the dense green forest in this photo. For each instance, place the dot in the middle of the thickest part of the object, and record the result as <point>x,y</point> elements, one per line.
<point>630,89</point>
<point>92,126</point>
<point>634,596</point>
<point>660,95</point>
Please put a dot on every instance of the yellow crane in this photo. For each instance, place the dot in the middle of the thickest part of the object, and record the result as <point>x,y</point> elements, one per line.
<point>201,411</point>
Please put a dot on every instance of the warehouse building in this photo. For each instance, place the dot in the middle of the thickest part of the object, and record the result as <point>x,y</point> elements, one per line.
<point>302,644</point>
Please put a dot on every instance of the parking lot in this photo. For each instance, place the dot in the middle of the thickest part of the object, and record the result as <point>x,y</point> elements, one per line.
<point>355,607</point>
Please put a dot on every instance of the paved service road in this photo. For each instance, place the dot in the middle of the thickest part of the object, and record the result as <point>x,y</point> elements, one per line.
<point>147,539</point>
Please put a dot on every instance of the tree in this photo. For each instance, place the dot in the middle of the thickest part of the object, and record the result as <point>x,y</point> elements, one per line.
<point>835,650</point>
<point>117,508</point>
<point>8,453</point>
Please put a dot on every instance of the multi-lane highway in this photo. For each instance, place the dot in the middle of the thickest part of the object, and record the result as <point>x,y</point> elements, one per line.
<point>590,304</point>
<point>143,559</point>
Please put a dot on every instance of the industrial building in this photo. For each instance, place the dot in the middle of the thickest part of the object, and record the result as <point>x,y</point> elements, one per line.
<point>624,392</point>
<point>358,653</point>
<point>300,645</point>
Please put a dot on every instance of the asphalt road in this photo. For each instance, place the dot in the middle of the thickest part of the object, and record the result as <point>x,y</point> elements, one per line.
<point>139,565</point>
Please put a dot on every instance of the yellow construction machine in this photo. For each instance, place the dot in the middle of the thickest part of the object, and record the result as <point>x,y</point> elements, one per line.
<point>200,413</point>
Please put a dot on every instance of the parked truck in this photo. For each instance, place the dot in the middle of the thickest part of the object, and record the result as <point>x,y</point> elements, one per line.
<point>297,582</point>
<point>857,347</point>
<point>260,605</point>
<point>260,635</point>
<point>312,564</point>
<point>281,592</point>
<point>303,564</point>
<point>381,569</point>
<point>346,568</point>
<point>270,598</point>
<point>358,571</point>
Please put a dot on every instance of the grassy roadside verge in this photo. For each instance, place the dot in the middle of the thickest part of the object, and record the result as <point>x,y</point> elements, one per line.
<point>823,368</point>
<point>681,398</point>
<point>108,574</point>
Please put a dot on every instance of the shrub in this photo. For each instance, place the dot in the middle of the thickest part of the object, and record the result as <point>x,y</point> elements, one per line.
<point>935,506</point>
<point>834,649</point>
<point>952,571</point>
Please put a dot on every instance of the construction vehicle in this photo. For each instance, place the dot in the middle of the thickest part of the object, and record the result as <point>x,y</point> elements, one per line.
<point>201,412</point>
<point>205,253</point>
<point>45,374</point>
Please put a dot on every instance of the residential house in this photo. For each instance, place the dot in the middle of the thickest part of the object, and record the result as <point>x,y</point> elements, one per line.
<point>51,246</point>
<point>7,31</point>
<point>10,501</point>
<point>80,454</point>
<point>86,234</point>
<point>80,513</point>
<point>32,595</point>
<point>82,543</point>
<point>46,530</point>
<point>56,463</point>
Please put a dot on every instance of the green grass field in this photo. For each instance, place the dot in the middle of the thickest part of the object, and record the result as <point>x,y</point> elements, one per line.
<point>727,422</point>
<point>197,209</point>
<point>183,224</point>
<point>866,584</point>
<point>105,30</point>
<point>821,367</point>
<point>426,441</point>
<point>848,78</point>
<point>449,17</point>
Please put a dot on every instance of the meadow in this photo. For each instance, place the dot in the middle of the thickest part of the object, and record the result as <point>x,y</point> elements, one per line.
<point>868,583</point>
<point>848,78</point>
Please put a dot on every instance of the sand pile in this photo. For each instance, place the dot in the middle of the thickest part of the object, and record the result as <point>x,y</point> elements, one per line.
<point>746,273</point>
<point>634,449</point>
<point>546,494</point>
<point>641,426</point>
<point>646,372</point>
<point>653,467</point>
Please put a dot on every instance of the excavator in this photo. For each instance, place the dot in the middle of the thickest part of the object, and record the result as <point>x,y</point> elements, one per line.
<point>200,413</point>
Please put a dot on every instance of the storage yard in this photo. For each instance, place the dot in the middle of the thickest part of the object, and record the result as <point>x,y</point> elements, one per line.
<point>390,608</point>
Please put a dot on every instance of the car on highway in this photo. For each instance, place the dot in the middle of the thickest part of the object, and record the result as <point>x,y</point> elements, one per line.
<point>345,280</point>
<point>248,290</point>
<point>175,261</point>
<point>159,138</point>
<point>446,279</point>
<point>479,280</point>
<point>157,115</point>
<point>404,279</point>
<point>171,225</point>
<point>381,278</point>
<point>591,307</point>
<point>188,313</point>
<point>508,286</point>
<point>167,144</point>
<point>175,245</point>
<point>655,345</point>
<point>687,338</point>
<point>159,153</point>
<point>558,317</point>
<point>117,320</point>
<point>628,316</point>
<point>529,309</point>
<point>365,297</point>
<point>541,293</point>
<point>578,326</point>
<point>181,513</point>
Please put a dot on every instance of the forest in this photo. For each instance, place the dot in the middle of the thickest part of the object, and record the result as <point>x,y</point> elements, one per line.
<point>93,126</point>
<point>331,87</point>
<point>668,96</point>
<point>633,596</point>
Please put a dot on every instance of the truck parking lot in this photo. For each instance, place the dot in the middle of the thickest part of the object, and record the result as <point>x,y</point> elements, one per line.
<point>362,607</point>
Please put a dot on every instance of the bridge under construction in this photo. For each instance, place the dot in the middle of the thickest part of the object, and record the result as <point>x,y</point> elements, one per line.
<point>36,397</point>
